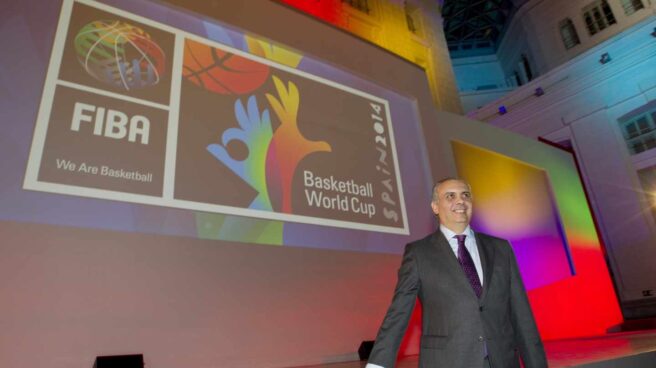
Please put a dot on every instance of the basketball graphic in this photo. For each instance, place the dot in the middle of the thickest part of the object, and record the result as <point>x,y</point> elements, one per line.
<point>220,71</point>
<point>119,54</point>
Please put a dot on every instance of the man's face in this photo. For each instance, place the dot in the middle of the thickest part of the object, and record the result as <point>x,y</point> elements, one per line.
<point>453,205</point>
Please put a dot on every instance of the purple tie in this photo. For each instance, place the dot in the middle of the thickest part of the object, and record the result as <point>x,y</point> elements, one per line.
<point>467,265</point>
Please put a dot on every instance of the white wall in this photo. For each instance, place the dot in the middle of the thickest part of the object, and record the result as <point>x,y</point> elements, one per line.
<point>534,31</point>
<point>473,100</point>
<point>583,100</point>
<point>475,72</point>
<point>69,295</point>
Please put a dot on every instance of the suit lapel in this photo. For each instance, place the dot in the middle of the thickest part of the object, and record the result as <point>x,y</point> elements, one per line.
<point>449,261</point>
<point>486,252</point>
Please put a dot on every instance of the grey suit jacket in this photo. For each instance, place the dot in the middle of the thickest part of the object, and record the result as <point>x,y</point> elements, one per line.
<point>459,329</point>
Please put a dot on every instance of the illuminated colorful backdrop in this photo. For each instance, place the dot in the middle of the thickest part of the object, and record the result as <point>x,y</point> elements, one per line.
<point>537,202</point>
<point>514,201</point>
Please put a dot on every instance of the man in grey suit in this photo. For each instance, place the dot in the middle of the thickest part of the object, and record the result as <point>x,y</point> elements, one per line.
<point>475,309</point>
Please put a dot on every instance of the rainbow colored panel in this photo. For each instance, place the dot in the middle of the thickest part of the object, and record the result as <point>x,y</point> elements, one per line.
<point>536,200</point>
<point>513,200</point>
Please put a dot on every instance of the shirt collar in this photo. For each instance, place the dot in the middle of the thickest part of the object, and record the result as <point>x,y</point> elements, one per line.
<point>449,234</point>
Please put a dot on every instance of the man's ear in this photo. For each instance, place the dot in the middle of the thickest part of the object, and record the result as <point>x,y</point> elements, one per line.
<point>435,208</point>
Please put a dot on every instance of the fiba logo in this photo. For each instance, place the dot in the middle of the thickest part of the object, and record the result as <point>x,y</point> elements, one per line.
<point>119,54</point>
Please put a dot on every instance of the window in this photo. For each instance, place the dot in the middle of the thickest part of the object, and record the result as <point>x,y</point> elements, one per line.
<point>598,16</point>
<point>518,80</point>
<point>412,15</point>
<point>632,6</point>
<point>568,33</point>
<point>527,68</point>
<point>640,132</point>
<point>361,5</point>
<point>647,178</point>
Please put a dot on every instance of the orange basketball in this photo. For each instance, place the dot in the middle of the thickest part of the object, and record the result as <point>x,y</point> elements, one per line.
<point>220,71</point>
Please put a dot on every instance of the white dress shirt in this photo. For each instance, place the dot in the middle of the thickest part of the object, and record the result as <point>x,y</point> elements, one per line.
<point>470,244</point>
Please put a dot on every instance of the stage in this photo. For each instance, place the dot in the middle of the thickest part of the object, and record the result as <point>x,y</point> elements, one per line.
<point>616,350</point>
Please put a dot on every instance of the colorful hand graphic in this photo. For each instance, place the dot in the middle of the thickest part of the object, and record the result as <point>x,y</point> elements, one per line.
<point>272,51</point>
<point>288,146</point>
<point>255,131</point>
